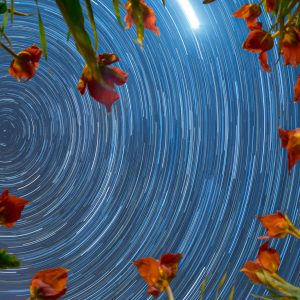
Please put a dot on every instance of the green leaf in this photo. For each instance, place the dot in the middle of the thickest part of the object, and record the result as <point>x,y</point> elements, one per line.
<point>164,2</point>
<point>3,7</point>
<point>12,10</point>
<point>116,4</point>
<point>220,285</point>
<point>231,294</point>
<point>8,260</point>
<point>203,288</point>
<point>92,22</point>
<point>72,13</point>
<point>68,35</point>
<point>42,32</point>
<point>4,22</point>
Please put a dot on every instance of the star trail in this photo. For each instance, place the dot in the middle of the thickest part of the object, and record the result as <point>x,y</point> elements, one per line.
<point>186,160</point>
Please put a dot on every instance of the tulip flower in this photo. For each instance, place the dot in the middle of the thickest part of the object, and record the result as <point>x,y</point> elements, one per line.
<point>249,12</point>
<point>49,284</point>
<point>259,41</point>
<point>25,63</point>
<point>10,208</point>
<point>159,273</point>
<point>278,225</point>
<point>143,16</point>
<point>290,46</point>
<point>264,269</point>
<point>103,90</point>
<point>290,139</point>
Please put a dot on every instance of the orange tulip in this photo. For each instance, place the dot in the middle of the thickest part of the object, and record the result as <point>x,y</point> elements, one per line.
<point>290,46</point>
<point>249,12</point>
<point>259,41</point>
<point>278,226</point>
<point>158,273</point>
<point>290,139</point>
<point>25,63</point>
<point>103,92</point>
<point>49,284</point>
<point>139,9</point>
<point>10,208</point>
<point>297,90</point>
<point>266,263</point>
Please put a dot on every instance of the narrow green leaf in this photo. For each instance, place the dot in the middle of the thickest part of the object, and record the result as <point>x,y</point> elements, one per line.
<point>8,260</point>
<point>231,294</point>
<point>3,7</point>
<point>116,4</point>
<point>220,285</point>
<point>164,2</point>
<point>68,35</point>
<point>42,32</point>
<point>72,13</point>
<point>203,288</point>
<point>4,22</point>
<point>92,22</point>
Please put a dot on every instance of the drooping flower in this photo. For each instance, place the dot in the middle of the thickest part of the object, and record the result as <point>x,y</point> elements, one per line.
<point>158,273</point>
<point>290,46</point>
<point>277,225</point>
<point>25,63</point>
<point>10,208</point>
<point>290,139</point>
<point>297,90</point>
<point>249,12</point>
<point>266,264</point>
<point>259,41</point>
<point>142,15</point>
<point>103,92</point>
<point>49,284</point>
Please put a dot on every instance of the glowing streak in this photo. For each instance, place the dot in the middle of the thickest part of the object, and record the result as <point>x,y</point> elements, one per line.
<point>189,12</point>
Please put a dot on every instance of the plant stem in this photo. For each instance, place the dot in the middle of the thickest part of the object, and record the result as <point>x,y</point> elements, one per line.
<point>12,53</point>
<point>169,293</point>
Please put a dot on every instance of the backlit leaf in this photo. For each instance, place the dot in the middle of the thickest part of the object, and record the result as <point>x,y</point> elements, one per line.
<point>42,32</point>
<point>8,260</point>
<point>116,4</point>
<point>92,22</point>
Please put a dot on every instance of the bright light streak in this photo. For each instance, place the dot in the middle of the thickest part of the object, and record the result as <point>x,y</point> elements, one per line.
<point>189,12</point>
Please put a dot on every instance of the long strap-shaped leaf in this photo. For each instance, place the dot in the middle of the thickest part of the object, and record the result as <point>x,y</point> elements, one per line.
<point>92,22</point>
<point>72,13</point>
<point>116,4</point>
<point>12,4</point>
<point>42,32</point>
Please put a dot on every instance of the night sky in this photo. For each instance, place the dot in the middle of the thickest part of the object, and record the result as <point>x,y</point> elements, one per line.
<point>185,161</point>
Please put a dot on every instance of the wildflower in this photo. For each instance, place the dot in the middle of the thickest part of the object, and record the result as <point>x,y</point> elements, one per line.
<point>158,273</point>
<point>49,284</point>
<point>249,12</point>
<point>290,139</point>
<point>10,208</point>
<point>103,92</point>
<point>25,63</point>
<point>266,263</point>
<point>259,41</point>
<point>278,226</point>
<point>290,46</point>
<point>142,15</point>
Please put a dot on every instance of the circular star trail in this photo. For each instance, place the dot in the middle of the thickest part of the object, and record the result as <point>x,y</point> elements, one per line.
<point>185,161</point>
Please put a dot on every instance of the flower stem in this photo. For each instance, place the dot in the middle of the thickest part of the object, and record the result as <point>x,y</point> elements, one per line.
<point>12,53</point>
<point>169,293</point>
